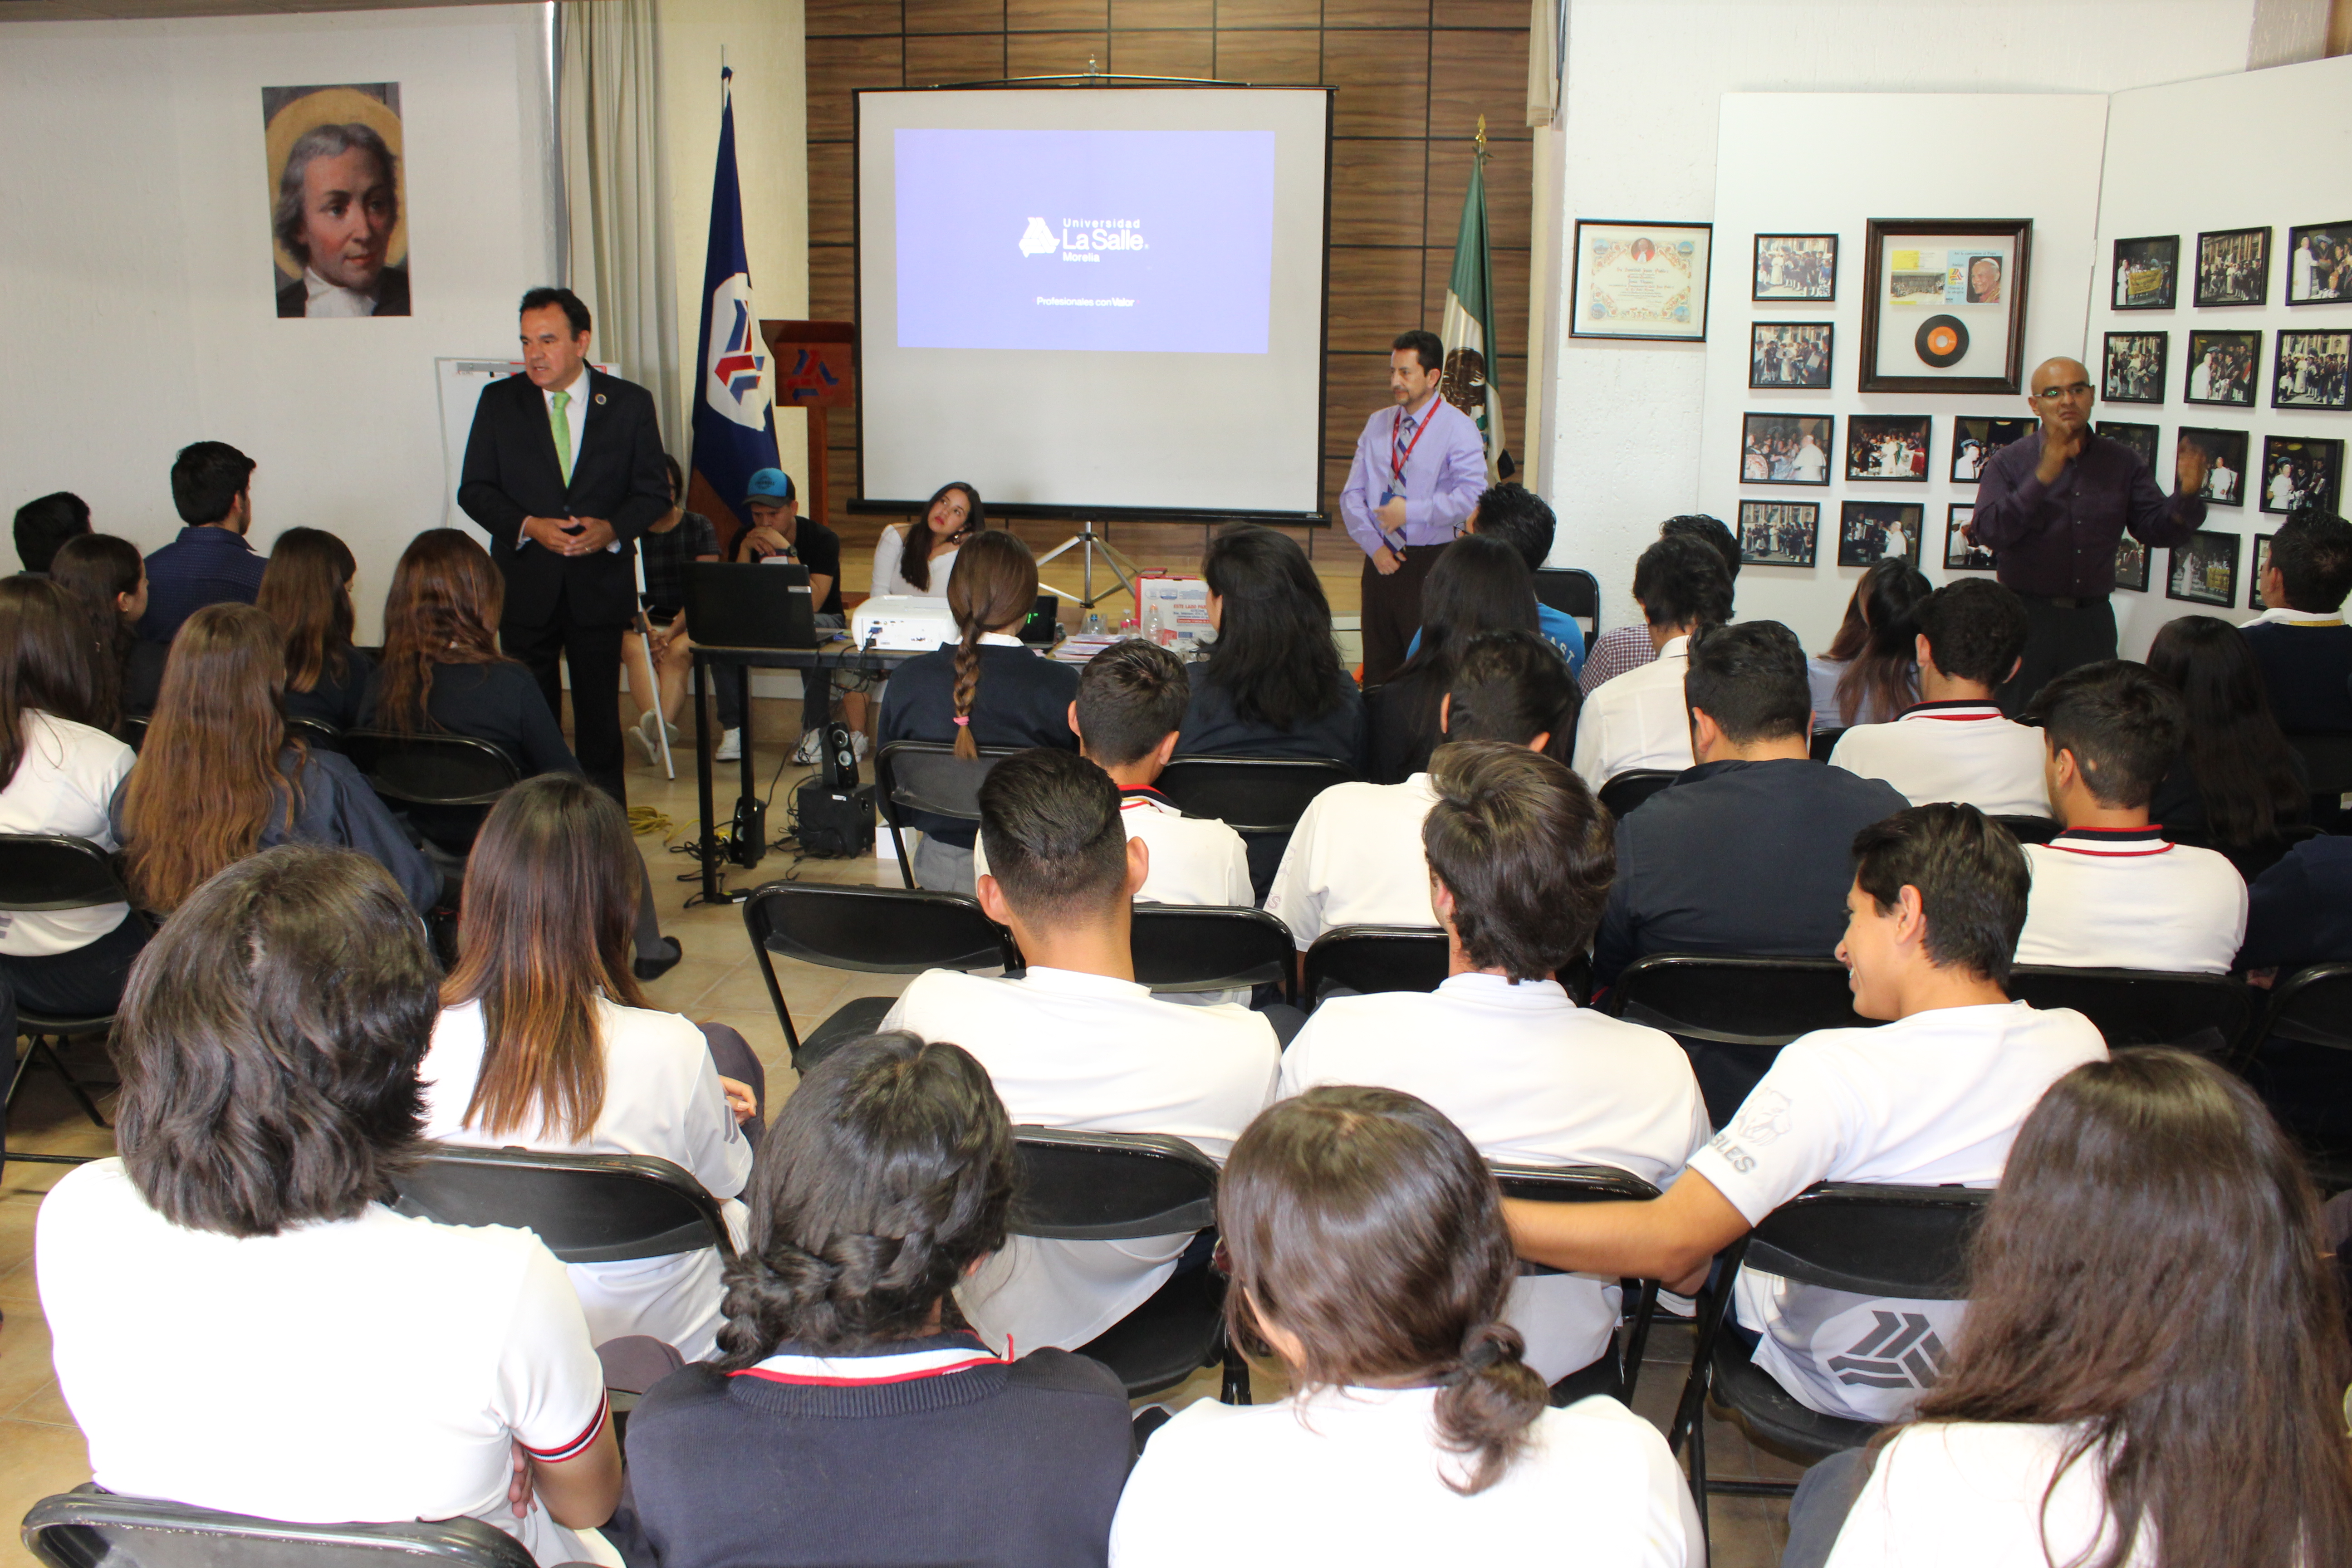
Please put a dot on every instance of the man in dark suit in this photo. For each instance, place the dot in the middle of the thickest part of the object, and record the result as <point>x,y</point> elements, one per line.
<point>563,471</point>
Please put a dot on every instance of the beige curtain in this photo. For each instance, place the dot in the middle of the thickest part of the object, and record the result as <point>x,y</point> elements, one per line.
<point>1544,22</point>
<point>616,188</point>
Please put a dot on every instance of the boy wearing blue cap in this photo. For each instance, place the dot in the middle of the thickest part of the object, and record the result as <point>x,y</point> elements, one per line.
<point>777,529</point>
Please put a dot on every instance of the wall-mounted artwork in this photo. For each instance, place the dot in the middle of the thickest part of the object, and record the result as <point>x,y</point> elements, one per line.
<point>1943,307</point>
<point>338,239</point>
<point>1778,532</point>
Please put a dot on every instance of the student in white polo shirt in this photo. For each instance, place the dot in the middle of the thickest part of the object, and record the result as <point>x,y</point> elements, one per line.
<point>1955,743</point>
<point>1356,857</point>
<point>1520,862</point>
<point>1076,1043</point>
<point>237,1321</point>
<point>2110,892</point>
<point>1932,1098</point>
<point>1638,719</point>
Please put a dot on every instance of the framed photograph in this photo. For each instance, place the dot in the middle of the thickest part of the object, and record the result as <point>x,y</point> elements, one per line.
<point>2131,369</point>
<point>1975,439</point>
<point>2309,372</point>
<point>2254,600</point>
<point>2233,266</point>
<point>1796,267</point>
<point>2319,264</point>
<point>1943,306</point>
<point>2225,452</point>
<point>2300,471</point>
<point>1789,355</point>
<point>338,230</point>
<point>1888,447</point>
<point>2205,570</point>
<point>1786,448</point>
<point>1778,532</point>
<point>1641,280</point>
<point>1870,532</point>
<point>2145,270</point>
<point>2222,367</point>
<point>1962,553</point>
<point>2131,565</point>
<point>2140,438</point>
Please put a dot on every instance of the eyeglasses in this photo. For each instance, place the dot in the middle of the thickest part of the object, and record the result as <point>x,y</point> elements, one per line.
<point>2080,389</point>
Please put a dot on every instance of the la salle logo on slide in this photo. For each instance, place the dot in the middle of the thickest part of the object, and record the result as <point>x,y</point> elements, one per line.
<point>1037,239</point>
<point>1078,240</point>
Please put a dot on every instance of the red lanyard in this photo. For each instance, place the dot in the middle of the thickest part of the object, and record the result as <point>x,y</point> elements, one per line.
<point>1396,463</point>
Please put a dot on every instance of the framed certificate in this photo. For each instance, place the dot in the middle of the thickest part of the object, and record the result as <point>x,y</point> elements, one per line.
<point>1641,280</point>
<point>1943,305</point>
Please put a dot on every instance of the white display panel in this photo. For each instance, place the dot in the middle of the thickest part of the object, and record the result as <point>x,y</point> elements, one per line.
<point>1104,299</point>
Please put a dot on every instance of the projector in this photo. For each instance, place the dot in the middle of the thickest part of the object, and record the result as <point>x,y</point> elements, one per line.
<point>896,623</point>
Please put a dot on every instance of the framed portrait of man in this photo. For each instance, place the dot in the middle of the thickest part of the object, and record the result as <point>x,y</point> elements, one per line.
<point>2319,264</point>
<point>338,224</point>
<point>2233,268</point>
<point>1640,281</point>
<point>1943,304</point>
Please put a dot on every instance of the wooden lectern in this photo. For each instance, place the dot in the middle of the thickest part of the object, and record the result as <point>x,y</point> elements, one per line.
<point>814,366</point>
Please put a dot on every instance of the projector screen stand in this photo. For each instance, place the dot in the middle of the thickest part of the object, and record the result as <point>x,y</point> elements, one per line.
<point>1085,542</point>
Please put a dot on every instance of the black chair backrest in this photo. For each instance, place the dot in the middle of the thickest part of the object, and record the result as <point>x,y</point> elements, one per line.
<point>876,930</point>
<point>87,1527</point>
<point>2030,829</point>
<point>1735,1001</point>
<point>2312,1008</point>
<point>1568,1184</point>
<point>1180,947</point>
<point>1110,1186</point>
<point>1250,795</point>
<point>587,1208</point>
<point>313,733</point>
<point>1573,592</point>
<point>52,871</point>
<point>1824,742</point>
<point>1872,1240</point>
<point>924,775</point>
<point>1375,958</point>
<point>432,769</point>
<point>132,731</point>
<point>1632,787</point>
<point>2209,1013</point>
<point>2328,760</point>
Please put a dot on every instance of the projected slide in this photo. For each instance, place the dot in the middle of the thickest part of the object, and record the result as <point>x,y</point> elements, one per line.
<point>1133,241</point>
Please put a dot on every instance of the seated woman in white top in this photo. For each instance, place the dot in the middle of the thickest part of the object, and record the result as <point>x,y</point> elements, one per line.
<point>545,1041</point>
<point>2152,1365</point>
<point>1367,1248</point>
<point>920,571</point>
<point>1870,673</point>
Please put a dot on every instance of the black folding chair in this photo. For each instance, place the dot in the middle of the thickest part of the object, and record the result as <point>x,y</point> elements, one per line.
<point>1123,1186</point>
<point>1373,958</point>
<point>870,931</point>
<point>925,777</point>
<point>1733,1015</point>
<point>132,731</point>
<point>1574,593</point>
<point>1261,798</point>
<point>2207,1014</point>
<point>2299,1059</point>
<point>314,732</point>
<point>2031,829</point>
<point>1591,1184</point>
<point>449,782</point>
<point>49,872</point>
<point>2328,760</point>
<point>87,1527</point>
<point>1631,788</point>
<point>1186,948</point>
<point>1824,742</point>
<point>1903,1243</point>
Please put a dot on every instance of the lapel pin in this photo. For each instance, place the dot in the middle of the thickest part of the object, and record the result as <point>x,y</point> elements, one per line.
<point>600,397</point>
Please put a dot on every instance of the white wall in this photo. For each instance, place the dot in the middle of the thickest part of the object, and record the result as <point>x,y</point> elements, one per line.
<point>2006,175</point>
<point>1638,138</point>
<point>2160,180</point>
<point>136,309</point>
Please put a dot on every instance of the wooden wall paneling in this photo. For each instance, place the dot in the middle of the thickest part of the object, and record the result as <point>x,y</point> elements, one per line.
<point>1056,15</point>
<point>1475,73</point>
<point>1171,52</point>
<point>835,66</point>
<point>1383,75</point>
<point>1273,58</point>
<point>1375,294</point>
<point>1269,12</point>
<point>936,57</point>
<point>1137,16</point>
<point>1509,15</point>
<point>832,290</point>
<point>1510,190</point>
<point>1411,14</point>
<point>832,18</point>
<point>1376,190</point>
<point>1055,54</point>
<point>955,16</point>
<point>831,194</point>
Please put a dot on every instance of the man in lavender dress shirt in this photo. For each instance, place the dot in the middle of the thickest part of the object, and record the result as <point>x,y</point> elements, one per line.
<point>2053,508</point>
<point>1419,468</point>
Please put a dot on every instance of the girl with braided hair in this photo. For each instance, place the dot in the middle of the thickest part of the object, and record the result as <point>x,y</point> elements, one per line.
<point>1366,1242</point>
<point>851,1415</point>
<point>989,690</point>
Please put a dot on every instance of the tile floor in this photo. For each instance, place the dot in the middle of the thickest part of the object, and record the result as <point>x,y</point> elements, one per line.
<point>718,980</point>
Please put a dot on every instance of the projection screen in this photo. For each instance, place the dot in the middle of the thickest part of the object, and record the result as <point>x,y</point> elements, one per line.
<point>1093,301</point>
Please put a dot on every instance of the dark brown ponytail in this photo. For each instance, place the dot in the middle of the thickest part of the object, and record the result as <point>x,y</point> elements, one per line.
<point>1365,1225</point>
<point>994,585</point>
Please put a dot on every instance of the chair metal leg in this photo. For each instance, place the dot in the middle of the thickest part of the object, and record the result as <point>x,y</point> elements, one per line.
<point>1637,1337</point>
<point>906,867</point>
<point>1237,1385</point>
<point>49,1056</point>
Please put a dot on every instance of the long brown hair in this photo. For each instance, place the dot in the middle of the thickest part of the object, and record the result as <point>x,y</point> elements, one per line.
<point>45,663</point>
<point>212,763</point>
<point>994,585</point>
<point>97,569</point>
<point>1879,642</point>
<point>443,608</point>
<point>914,560</point>
<point>551,898</point>
<point>2151,1273</point>
<point>1363,1223</point>
<point>2240,760</point>
<point>306,589</point>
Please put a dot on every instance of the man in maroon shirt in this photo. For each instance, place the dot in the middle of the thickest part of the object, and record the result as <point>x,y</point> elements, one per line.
<point>2053,511</point>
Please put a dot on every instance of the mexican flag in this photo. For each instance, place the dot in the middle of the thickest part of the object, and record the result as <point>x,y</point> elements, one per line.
<point>1468,329</point>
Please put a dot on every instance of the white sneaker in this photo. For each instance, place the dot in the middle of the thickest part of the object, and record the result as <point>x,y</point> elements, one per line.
<point>858,745</point>
<point>811,750</point>
<point>641,736</point>
<point>730,747</point>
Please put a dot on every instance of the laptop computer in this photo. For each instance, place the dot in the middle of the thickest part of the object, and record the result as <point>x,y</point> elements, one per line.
<point>737,605</point>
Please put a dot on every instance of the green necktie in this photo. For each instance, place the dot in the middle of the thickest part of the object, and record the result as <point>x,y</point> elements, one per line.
<point>556,403</point>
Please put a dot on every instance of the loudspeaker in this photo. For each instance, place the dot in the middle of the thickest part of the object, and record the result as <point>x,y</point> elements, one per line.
<point>748,840</point>
<point>834,824</point>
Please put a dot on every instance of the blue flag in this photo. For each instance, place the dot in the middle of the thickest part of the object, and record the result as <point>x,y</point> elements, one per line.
<point>734,421</point>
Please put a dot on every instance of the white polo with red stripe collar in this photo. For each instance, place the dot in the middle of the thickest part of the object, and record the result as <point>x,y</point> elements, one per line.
<point>1952,751</point>
<point>2127,897</point>
<point>875,1371</point>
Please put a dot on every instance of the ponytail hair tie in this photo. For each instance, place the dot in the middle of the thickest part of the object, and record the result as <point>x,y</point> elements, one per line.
<point>962,719</point>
